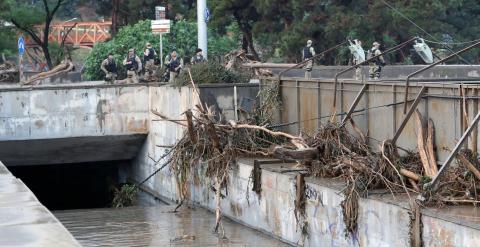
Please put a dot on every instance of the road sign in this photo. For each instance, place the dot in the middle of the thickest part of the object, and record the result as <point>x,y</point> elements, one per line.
<point>207,15</point>
<point>160,26</point>
<point>21,46</point>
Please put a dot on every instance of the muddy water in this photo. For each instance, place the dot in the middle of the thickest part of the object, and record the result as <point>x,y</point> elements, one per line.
<point>156,226</point>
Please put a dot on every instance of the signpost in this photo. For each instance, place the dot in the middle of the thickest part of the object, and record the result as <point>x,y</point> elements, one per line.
<point>21,51</point>
<point>160,26</point>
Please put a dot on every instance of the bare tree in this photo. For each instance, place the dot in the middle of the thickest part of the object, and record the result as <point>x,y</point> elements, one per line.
<point>42,41</point>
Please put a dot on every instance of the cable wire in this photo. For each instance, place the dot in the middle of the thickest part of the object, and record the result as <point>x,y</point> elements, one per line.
<point>413,23</point>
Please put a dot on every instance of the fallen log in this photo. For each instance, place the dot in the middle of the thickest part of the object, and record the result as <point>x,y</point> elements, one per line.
<point>471,167</point>
<point>299,154</point>
<point>410,175</point>
<point>64,67</point>
<point>421,143</point>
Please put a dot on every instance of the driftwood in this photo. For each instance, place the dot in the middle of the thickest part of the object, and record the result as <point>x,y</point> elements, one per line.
<point>299,154</point>
<point>64,67</point>
<point>471,167</point>
<point>425,145</point>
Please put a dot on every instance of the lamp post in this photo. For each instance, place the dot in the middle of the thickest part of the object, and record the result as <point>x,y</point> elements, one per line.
<point>202,26</point>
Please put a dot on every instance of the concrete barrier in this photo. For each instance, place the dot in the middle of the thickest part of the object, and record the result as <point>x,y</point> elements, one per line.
<point>382,220</point>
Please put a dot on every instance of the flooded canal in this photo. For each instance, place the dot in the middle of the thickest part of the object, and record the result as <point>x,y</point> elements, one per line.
<point>156,226</point>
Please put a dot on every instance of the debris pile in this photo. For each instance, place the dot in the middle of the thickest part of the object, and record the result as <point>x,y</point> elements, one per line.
<point>212,144</point>
<point>234,60</point>
<point>8,70</point>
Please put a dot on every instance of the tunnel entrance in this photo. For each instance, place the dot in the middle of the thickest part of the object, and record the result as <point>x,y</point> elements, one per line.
<point>73,186</point>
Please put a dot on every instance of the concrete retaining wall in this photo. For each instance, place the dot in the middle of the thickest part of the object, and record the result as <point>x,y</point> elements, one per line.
<point>72,111</point>
<point>306,104</point>
<point>382,221</point>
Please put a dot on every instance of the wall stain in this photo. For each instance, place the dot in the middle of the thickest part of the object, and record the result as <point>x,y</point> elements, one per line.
<point>101,112</point>
<point>39,124</point>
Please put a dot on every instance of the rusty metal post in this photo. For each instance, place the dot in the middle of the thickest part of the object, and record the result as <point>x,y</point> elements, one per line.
<point>257,177</point>
<point>429,67</point>
<point>409,114</point>
<point>434,183</point>
<point>417,99</point>
<point>354,104</point>
<point>397,47</point>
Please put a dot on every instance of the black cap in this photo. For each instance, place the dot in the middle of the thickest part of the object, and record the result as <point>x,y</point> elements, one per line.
<point>198,50</point>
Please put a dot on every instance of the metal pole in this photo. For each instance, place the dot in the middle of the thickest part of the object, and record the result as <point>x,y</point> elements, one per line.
<point>433,185</point>
<point>430,66</point>
<point>161,51</point>
<point>354,104</point>
<point>409,114</point>
<point>202,26</point>
<point>399,46</point>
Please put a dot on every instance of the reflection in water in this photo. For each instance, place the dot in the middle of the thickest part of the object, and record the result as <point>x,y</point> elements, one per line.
<point>156,226</point>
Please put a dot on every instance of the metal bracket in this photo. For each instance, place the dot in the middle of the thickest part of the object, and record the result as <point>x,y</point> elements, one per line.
<point>433,185</point>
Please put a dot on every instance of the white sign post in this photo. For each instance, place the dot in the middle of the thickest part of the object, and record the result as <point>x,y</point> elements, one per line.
<point>160,26</point>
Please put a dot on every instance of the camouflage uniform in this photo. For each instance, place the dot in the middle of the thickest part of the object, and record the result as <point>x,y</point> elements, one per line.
<point>109,67</point>
<point>150,68</point>
<point>133,65</point>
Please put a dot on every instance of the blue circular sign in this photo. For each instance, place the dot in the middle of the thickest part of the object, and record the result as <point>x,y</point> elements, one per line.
<point>21,46</point>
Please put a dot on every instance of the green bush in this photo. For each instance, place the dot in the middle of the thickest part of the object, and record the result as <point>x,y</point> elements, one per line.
<point>210,72</point>
<point>182,37</point>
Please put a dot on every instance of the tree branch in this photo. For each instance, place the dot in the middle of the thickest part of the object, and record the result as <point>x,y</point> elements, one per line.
<point>28,31</point>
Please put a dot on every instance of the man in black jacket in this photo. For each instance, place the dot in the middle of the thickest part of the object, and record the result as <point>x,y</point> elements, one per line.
<point>133,64</point>
<point>149,57</point>
<point>109,67</point>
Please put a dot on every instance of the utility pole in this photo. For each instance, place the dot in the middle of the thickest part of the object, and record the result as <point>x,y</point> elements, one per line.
<point>202,26</point>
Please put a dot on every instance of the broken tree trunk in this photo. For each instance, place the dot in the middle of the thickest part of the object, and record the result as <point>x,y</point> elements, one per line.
<point>425,141</point>
<point>289,154</point>
<point>471,167</point>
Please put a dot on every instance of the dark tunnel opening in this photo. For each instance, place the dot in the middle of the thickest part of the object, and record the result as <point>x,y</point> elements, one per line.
<point>73,186</point>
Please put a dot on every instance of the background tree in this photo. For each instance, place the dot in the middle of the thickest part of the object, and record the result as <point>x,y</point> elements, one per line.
<point>25,15</point>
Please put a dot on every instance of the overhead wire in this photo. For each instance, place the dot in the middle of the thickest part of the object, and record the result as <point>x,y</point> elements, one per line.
<point>423,30</point>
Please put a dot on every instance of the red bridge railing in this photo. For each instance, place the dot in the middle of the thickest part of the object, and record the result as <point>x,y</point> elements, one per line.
<point>82,34</point>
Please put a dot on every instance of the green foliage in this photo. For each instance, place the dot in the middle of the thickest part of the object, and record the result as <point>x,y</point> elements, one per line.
<point>183,37</point>
<point>209,73</point>
<point>281,28</point>
<point>125,196</point>
<point>8,45</point>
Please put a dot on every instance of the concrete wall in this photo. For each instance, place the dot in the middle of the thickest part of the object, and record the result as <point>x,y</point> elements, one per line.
<point>308,103</point>
<point>390,71</point>
<point>72,123</point>
<point>24,220</point>
<point>71,111</point>
<point>382,221</point>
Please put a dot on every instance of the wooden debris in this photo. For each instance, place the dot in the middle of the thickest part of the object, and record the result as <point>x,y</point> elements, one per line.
<point>469,165</point>
<point>64,67</point>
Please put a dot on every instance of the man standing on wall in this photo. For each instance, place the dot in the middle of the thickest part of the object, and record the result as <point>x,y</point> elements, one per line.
<point>307,53</point>
<point>377,63</point>
<point>109,67</point>
<point>133,65</point>
<point>174,65</point>
<point>198,57</point>
<point>149,57</point>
